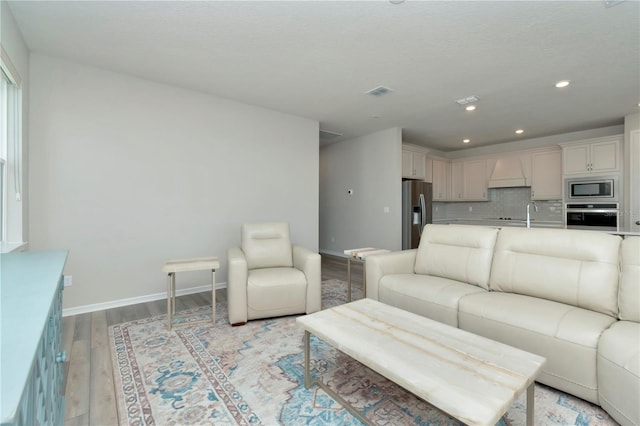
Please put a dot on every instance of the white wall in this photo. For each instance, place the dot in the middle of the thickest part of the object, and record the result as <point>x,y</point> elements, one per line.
<point>372,167</point>
<point>16,49</point>
<point>631,123</point>
<point>127,173</point>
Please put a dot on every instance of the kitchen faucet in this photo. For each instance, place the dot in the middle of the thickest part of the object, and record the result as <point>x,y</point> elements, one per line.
<point>535,208</point>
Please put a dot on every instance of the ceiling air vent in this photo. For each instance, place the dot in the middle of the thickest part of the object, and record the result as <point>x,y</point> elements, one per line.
<point>326,135</point>
<point>379,91</point>
<point>467,100</point>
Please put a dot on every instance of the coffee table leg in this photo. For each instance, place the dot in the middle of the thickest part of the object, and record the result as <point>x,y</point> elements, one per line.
<point>318,382</point>
<point>307,337</point>
<point>530,403</point>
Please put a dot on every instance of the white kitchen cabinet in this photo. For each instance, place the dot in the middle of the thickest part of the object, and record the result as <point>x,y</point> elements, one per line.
<point>413,166</point>
<point>468,180</point>
<point>597,156</point>
<point>440,177</point>
<point>459,180</point>
<point>474,180</point>
<point>546,175</point>
<point>456,179</point>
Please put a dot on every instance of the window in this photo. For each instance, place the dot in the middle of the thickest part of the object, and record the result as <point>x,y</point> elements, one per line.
<point>10,153</point>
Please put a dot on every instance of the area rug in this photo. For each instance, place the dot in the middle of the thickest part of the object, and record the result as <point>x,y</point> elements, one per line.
<point>199,374</point>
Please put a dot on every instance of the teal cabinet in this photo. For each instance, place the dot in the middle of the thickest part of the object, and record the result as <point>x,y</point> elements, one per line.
<point>31,353</point>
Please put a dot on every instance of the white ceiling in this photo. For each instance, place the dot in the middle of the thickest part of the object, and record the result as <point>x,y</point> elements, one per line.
<point>316,59</point>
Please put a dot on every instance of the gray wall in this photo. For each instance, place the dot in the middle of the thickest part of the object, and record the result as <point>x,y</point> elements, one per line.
<point>372,167</point>
<point>127,173</point>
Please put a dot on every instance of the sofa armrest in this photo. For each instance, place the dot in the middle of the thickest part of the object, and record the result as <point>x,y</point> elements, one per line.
<point>309,263</point>
<point>379,265</point>
<point>237,286</point>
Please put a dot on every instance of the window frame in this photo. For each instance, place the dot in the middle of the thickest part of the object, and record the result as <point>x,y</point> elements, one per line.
<point>11,207</point>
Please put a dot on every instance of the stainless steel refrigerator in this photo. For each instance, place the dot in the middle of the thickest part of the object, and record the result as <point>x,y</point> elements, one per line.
<point>416,211</point>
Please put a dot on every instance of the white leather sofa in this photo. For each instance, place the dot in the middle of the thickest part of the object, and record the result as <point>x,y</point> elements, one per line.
<point>571,296</point>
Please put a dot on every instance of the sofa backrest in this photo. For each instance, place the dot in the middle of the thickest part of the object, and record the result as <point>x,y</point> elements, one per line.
<point>574,267</point>
<point>629,295</point>
<point>457,252</point>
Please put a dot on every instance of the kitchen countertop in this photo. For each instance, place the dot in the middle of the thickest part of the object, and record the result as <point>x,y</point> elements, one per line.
<point>521,223</point>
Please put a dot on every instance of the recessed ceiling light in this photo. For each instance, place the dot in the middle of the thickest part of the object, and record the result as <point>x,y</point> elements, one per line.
<point>470,107</point>
<point>563,83</point>
<point>466,140</point>
<point>519,131</point>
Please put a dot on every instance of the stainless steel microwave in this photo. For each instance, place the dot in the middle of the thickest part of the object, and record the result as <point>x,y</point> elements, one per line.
<point>592,188</point>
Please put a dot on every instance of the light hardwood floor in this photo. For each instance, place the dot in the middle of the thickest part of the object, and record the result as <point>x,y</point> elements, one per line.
<point>89,390</point>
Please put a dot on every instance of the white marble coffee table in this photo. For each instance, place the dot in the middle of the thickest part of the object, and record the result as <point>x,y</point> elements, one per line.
<point>469,377</point>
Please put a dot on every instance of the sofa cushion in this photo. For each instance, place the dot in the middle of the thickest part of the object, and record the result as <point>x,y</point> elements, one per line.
<point>267,245</point>
<point>458,252</point>
<point>629,295</point>
<point>432,297</point>
<point>274,292</point>
<point>619,372</point>
<point>566,335</point>
<point>579,268</point>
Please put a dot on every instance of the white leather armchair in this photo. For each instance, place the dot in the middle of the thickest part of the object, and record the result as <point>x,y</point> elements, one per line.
<point>270,277</point>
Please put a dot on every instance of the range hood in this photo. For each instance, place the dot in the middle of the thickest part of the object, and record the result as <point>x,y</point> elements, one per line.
<point>508,173</point>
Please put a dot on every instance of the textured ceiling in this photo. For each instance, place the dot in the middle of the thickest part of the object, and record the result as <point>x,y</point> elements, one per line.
<point>316,59</point>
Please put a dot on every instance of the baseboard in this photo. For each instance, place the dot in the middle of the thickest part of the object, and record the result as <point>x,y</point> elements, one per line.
<point>134,300</point>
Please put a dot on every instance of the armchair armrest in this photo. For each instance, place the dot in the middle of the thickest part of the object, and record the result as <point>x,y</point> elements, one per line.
<point>309,263</point>
<point>379,265</point>
<point>237,286</point>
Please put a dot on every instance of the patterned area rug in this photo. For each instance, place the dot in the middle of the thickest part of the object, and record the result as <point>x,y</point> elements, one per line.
<point>253,375</point>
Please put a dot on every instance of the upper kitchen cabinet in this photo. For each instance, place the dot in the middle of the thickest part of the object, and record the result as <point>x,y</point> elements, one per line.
<point>602,155</point>
<point>546,175</point>
<point>459,180</point>
<point>440,176</point>
<point>469,180</point>
<point>413,164</point>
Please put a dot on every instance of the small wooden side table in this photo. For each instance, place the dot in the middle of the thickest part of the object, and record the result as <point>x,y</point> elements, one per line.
<point>185,265</point>
<point>359,255</point>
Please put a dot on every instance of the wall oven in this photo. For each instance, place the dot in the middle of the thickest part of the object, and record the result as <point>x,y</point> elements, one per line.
<point>594,216</point>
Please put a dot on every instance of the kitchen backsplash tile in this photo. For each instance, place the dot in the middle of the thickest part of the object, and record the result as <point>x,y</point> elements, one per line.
<point>503,202</point>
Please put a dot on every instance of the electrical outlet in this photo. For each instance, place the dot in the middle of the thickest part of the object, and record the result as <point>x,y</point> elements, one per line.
<point>386,209</point>
<point>470,208</point>
<point>68,281</point>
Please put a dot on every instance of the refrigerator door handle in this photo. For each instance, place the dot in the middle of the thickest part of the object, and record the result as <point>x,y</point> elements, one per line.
<point>423,213</point>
